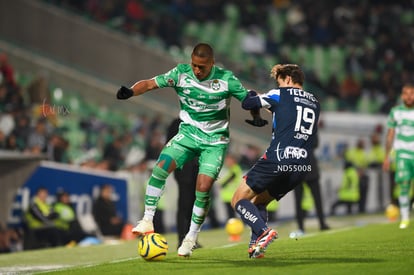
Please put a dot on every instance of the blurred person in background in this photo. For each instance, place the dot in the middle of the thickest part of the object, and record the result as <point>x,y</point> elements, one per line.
<point>38,137</point>
<point>204,90</point>
<point>22,130</point>
<point>348,193</point>
<point>7,122</point>
<point>38,90</point>
<point>7,71</point>
<point>105,213</point>
<point>40,221</point>
<point>112,153</point>
<point>249,156</point>
<point>229,182</point>
<point>57,148</point>
<point>400,136</point>
<point>10,239</point>
<point>376,157</point>
<point>357,156</point>
<point>312,181</point>
<point>3,141</point>
<point>67,220</point>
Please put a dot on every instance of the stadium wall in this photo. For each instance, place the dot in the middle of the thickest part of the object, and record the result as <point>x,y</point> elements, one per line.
<point>15,169</point>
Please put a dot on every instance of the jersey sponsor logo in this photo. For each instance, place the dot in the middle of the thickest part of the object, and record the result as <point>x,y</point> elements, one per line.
<point>304,101</point>
<point>206,107</point>
<point>290,152</point>
<point>198,104</point>
<point>246,214</point>
<point>301,93</point>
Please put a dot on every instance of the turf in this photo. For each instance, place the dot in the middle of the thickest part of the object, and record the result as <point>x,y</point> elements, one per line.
<point>351,247</point>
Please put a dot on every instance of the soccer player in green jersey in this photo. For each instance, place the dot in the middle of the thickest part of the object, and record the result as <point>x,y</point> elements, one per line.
<point>400,135</point>
<point>204,92</point>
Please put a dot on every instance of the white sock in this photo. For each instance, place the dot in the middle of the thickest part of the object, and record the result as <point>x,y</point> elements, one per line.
<point>404,207</point>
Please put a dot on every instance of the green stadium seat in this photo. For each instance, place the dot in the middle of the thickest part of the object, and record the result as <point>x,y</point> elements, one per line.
<point>192,29</point>
<point>232,13</point>
<point>337,61</point>
<point>321,62</point>
<point>177,54</point>
<point>225,35</point>
<point>407,17</point>
<point>329,104</point>
<point>236,52</point>
<point>23,79</point>
<point>210,32</point>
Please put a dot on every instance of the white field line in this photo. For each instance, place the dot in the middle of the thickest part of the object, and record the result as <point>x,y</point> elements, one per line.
<point>42,269</point>
<point>12,270</point>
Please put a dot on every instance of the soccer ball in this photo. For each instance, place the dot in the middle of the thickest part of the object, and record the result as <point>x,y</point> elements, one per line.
<point>392,212</point>
<point>234,227</point>
<point>153,247</point>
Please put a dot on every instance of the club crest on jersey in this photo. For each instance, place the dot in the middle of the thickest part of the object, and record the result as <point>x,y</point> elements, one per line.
<point>170,82</point>
<point>215,85</point>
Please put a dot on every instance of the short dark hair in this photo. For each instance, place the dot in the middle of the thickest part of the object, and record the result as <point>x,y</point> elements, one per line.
<point>203,50</point>
<point>292,70</point>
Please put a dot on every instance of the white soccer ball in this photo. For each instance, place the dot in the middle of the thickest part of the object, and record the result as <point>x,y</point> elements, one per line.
<point>153,247</point>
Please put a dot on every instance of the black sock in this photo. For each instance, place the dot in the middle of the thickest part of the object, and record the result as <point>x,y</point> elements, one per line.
<point>251,216</point>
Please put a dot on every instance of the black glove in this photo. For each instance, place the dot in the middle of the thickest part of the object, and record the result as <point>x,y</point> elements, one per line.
<point>124,93</point>
<point>257,121</point>
<point>252,93</point>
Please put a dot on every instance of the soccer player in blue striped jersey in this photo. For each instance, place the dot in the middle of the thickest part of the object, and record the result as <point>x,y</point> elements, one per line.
<point>286,161</point>
<point>204,91</point>
<point>400,135</point>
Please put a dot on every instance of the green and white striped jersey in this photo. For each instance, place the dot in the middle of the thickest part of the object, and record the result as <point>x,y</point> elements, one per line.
<point>402,119</point>
<point>204,104</point>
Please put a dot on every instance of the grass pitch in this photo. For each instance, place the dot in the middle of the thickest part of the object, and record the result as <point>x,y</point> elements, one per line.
<point>353,246</point>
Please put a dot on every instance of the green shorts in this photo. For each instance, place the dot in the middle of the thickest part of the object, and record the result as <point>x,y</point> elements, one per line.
<point>190,142</point>
<point>404,169</point>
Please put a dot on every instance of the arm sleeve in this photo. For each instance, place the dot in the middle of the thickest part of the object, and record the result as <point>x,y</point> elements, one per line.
<point>251,102</point>
<point>391,123</point>
<point>168,79</point>
<point>237,89</point>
